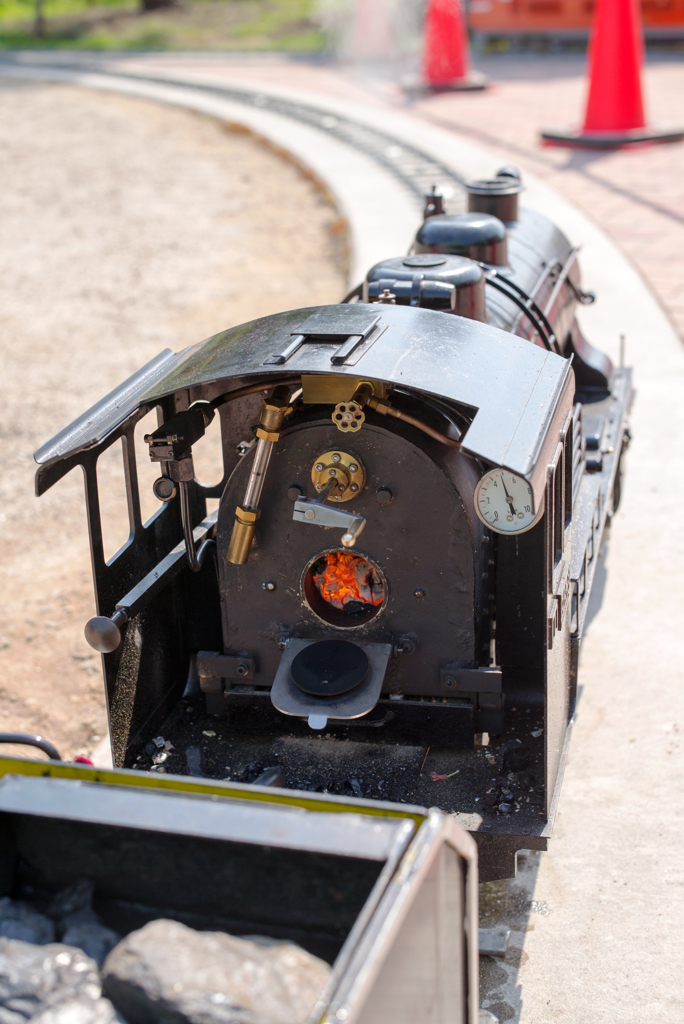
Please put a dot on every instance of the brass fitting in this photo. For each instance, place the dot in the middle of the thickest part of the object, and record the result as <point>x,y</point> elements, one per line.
<point>267,435</point>
<point>273,412</point>
<point>380,405</point>
<point>342,472</point>
<point>242,535</point>
<point>363,393</point>
<point>385,408</point>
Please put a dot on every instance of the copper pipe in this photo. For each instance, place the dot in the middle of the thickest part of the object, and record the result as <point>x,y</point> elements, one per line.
<point>251,389</point>
<point>386,409</point>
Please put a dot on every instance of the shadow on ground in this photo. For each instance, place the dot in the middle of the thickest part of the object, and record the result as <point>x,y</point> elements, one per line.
<point>508,903</point>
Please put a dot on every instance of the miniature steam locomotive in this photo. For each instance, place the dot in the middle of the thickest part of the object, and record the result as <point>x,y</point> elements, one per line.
<point>389,599</point>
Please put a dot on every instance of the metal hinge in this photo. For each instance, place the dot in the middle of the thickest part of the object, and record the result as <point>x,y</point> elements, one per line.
<point>213,667</point>
<point>470,680</point>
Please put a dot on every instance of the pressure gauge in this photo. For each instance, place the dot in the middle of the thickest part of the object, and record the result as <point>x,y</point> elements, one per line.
<point>503,501</point>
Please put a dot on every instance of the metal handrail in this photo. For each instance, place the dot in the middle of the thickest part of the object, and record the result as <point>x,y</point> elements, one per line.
<point>29,740</point>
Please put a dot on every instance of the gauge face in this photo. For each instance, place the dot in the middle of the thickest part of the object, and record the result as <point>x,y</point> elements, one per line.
<point>503,501</point>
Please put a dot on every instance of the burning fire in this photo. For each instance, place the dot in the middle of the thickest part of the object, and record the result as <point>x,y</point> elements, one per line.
<point>347,577</point>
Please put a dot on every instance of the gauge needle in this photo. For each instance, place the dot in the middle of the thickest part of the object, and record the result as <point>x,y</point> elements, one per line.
<point>508,497</point>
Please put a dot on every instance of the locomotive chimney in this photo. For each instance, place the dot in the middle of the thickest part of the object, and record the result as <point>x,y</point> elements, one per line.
<point>497,196</point>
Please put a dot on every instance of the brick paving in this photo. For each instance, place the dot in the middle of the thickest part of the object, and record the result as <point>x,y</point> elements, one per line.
<point>636,195</point>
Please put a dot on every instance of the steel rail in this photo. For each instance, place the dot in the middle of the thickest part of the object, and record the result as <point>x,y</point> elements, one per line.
<point>415,169</point>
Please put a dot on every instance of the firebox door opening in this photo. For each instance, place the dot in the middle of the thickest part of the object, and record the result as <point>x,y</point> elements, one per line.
<point>344,589</point>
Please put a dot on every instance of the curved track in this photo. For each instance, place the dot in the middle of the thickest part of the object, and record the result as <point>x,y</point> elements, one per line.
<point>416,169</point>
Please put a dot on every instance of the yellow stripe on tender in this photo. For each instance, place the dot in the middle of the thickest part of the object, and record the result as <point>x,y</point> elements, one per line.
<point>182,784</point>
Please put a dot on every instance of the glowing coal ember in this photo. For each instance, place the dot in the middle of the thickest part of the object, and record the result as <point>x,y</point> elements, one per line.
<point>342,578</point>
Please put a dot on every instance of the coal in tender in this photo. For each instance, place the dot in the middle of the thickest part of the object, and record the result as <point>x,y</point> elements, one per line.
<point>34,978</point>
<point>250,773</point>
<point>79,1011</point>
<point>20,921</point>
<point>193,760</point>
<point>169,972</point>
<point>76,898</point>
<point>274,776</point>
<point>95,939</point>
<point>355,787</point>
<point>78,924</point>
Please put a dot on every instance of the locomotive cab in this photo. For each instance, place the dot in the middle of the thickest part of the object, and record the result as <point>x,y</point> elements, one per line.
<point>402,552</point>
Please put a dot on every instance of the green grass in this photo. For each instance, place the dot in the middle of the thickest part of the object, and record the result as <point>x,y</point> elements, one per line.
<point>192,25</point>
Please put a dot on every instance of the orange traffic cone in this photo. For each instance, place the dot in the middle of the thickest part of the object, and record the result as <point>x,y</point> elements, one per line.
<point>446,54</point>
<point>615,110</point>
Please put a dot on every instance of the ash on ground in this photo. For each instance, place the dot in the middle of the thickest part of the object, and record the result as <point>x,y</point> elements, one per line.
<point>505,778</point>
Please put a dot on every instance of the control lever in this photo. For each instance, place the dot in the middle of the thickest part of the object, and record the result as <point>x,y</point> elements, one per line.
<point>170,444</point>
<point>312,510</point>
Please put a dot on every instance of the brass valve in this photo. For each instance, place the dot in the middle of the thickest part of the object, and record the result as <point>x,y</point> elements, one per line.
<point>346,472</point>
<point>349,416</point>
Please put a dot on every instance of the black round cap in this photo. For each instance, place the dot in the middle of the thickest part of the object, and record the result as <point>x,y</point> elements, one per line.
<point>329,667</point>
<point>457,233</point>
<point>477,236</point>
<point>509,172</point>
<point>164,488</point>
<point>456,270</point>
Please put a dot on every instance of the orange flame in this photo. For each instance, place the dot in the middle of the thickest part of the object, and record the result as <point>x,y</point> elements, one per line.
<point>349,577</point>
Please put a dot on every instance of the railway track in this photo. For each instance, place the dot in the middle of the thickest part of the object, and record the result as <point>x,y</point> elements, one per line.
<point>413,168</point>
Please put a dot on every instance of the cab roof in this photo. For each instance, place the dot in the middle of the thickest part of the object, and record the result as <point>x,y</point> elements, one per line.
<point>512,386</point>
